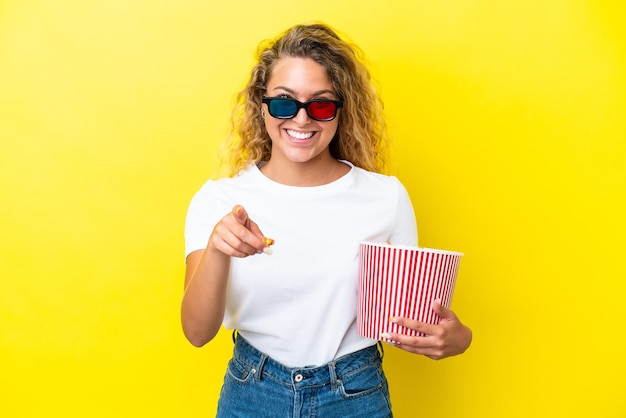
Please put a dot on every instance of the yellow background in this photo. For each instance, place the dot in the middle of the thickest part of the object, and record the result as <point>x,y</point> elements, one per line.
<point>509,133</point>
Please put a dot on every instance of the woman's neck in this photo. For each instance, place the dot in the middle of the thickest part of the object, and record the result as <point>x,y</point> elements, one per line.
<point>306,174</point>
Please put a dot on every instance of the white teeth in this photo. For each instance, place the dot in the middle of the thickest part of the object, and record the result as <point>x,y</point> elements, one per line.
<point>299,135</point>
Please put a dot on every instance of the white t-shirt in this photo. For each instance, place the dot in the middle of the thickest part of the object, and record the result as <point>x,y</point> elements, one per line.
<point>298,305</point>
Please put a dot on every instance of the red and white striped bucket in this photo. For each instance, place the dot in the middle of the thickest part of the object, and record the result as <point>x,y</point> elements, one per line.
<point>402,281</point>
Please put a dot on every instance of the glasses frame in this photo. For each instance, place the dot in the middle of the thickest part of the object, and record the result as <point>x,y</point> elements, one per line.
<point>300,105</point>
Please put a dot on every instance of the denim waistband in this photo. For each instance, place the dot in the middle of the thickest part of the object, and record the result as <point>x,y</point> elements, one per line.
<point>263,366</point>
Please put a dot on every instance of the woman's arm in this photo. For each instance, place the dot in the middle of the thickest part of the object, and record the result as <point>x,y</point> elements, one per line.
<point>206,276</point>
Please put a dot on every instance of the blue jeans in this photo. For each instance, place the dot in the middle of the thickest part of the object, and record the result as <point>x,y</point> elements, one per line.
<point>256,386</point>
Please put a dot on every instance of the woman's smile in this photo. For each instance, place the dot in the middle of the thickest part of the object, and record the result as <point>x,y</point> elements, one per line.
<point>299,135</point>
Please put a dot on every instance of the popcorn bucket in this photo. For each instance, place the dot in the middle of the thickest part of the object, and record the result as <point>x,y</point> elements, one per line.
<point>402,281</point>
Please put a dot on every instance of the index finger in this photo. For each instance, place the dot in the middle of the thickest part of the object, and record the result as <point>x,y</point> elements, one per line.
<point>415,325</point>
<point>252,235</point>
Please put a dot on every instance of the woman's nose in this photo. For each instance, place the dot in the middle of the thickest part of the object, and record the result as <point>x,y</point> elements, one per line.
<point>302,118</point>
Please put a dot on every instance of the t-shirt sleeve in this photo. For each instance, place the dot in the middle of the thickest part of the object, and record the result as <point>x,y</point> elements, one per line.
<point>201,219</point>
<point>404,230</point>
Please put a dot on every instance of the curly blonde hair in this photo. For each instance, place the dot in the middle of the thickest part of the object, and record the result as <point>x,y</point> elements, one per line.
<point>361,132</point>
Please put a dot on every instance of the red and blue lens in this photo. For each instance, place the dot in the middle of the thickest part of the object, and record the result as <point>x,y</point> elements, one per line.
<point>322,110</point>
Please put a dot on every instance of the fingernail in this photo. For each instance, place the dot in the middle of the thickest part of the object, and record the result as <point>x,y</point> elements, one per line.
<point>393,319</point>
<point>268,251</point>
<point>385,335</point>
<point>268,241</point>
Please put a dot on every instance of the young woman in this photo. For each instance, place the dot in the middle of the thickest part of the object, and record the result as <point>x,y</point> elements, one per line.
<point>306,159</point>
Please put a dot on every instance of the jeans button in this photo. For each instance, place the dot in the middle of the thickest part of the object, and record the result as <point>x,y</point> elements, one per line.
<point>298,378</point>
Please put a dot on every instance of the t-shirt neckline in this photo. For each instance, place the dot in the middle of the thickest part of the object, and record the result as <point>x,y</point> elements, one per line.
<point>335,185</point>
